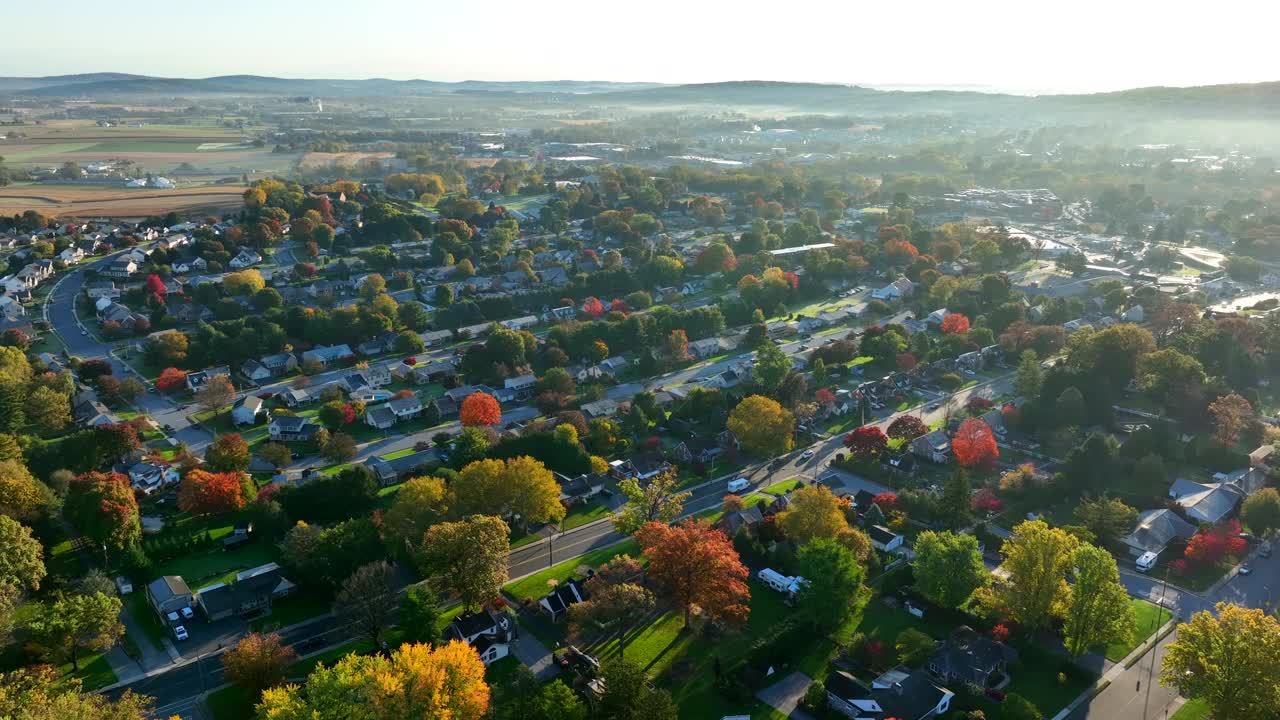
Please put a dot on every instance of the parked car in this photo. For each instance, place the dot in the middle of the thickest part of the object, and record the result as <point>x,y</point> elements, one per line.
<point>180,633</point>
<point>188,613</point>
<point>806,454</point>
<point>1245,569</point>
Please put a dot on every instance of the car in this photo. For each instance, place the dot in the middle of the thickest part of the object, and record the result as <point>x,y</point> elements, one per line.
<point>151,388</point>
<point>806,454</point>
<point>180,632</point>
<point>1245,569</point>
<point>188,613</point>
<point>739,484</point>
<point>84,333</point>
<point>1265,551</point>
<point>932,406</point>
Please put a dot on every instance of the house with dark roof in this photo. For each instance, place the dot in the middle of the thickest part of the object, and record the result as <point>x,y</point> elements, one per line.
<point>199,379</point>
<point>252,591</point>
<point>579,489</point>
<point>884,539</point>
<point>748,518</point>
<point>379,417</point>
<point>968,658</point>
<point>328,355</point>
<point>934,447</point>
<point>561,598</point>
<point>168,594</point>
<point>389,471</point>
<point>1156,530</point>
<point>489,632</point>
<point>898,693</point>
<point>291,428</point>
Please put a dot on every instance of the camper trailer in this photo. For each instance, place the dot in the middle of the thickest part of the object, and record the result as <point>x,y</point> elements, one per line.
<point>781,583</point>
<point>1146,561</point>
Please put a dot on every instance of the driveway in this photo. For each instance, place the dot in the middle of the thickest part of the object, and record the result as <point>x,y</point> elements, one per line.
<point>785,695</point>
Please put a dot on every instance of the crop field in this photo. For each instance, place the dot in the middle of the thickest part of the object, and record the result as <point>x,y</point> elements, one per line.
<point>323,159</point>
<point>113,201</point>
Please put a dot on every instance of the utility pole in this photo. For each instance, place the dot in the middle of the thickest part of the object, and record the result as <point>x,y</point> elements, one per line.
<point>1151,667</point>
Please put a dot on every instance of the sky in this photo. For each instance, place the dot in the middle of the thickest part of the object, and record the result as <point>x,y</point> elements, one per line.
<point>1024,46</point>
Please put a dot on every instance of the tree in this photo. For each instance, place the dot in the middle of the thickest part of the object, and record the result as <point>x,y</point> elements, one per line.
<point>610,609</point>
<point>21,556</point>
<point>771,366</point>
<point>339,447</point>
<point>103,507</point>
<point>1261,511</point>
<point>1037,558</point>
<point>468,557</point>
<point>627,695</point>
<point>336,413</point>
<point>656,502</point>
<point>1164,372</point>
<point>420,615</point>
<point>521,486</point>
<point>948,567</point>
<point>215,394</point>
<point>77,623</point>
<point>693,564</point>
<point>974,445</point>
<point>834,595</point>
<point>207,493</point>
<point>1231,661</point>
<point>22,497</point>
<point>1099,611</point>
<point>955,324</point>
<point>907,428</point>
<point>1107,518</point>
<point>266,299</point>
<point>914,647</point>
<point>48,409</point>
<point>228,453</point>
<point>480,409</point>
<point>1073,263</point>
<point>762,426</point>
<point>258,662</point>
<point>814,514</point>
<point>1091,465</point>
<point>1069,409</point>
<point>368,598</point>
<point>1030,376</point>
<point>415,680</point>
<point>1231,414</point>
<point>278,454</point>
<point>38,693</point>
<point>558,701</point>
<point>244,282</point>
<point>867,442</point>
<point>419,503</point>
<point>171,380</point>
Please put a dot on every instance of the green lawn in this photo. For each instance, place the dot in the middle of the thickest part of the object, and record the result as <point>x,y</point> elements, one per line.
<point>501,671</point>
<point>782,488</point>
<point>584,513</point>
<point>714,514</point>
<point>206,567</point>
<point>229,703</point>
<point>1196,709</point>
<point>142,613</point>
<point>1037,679</point>
<point>1147,623</point>
<point>291,611</point>
<point>536,586</point>
<point>94,672</point>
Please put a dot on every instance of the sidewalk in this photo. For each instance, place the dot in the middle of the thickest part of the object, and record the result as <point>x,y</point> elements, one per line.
<point>1117,670</point>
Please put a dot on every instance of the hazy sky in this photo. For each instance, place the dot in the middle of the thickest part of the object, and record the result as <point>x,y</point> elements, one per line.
<point>1012,45</point>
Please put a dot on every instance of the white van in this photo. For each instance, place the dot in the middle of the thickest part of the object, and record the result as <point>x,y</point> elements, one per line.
<point>1145,562</point>
<point>739,485</point>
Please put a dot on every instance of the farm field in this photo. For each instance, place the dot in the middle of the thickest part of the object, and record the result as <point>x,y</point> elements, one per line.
<point>323,159</point>
<point>115,201</point>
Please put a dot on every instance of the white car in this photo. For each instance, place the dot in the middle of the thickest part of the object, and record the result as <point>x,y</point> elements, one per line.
<point>739,485</point>
<point>188,613</point>
<point>806,454</point>
<point>180,632</point>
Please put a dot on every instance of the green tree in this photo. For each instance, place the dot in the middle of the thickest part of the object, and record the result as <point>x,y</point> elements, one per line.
<point>468,557</point>
<point>657,501</point>
<point>956,504</point>
<point>21,556</point>
<point>559,702</point>
<point>74,624</point>
<point>1099,610</point>
<point>368,599</point>
<point>420,615</point>
<point>1037,558</point>
<point>49,410</point>
<point>948,567</point>
<point>771,366</point>
<point>1107,518</point>
<point>1261,511</point>
<point>38,693</point>
<point>835,594</point>
<point>914,647</point>
<point>1231,661</point>
<point>1030,376</point>
<point>278,454</point>
<point>627,695</point>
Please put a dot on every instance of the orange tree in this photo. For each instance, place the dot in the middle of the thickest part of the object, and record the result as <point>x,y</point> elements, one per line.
<point>974,444</point>
<point>479,409</point>
<point>203,492</point>
<point>955,324</point>
<point>694,564</point>
<point>171,380</point>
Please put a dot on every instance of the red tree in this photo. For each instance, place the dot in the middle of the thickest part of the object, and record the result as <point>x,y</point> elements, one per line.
<point>1209,547</point>
<point>886,500</point>
<point>203,492</point>
<point>592,307</point>
<point>868,441</point>
<point>978,404</point>
<point>824,397</point>
<point>619,305</point>
<point>906,361</point>
<point>480,408</point>
<point>986,501</point>
<point>907,427</point>
<point>693,564</point>
<point>974,445</point>
<point>155,286</point>
<point>955,324</point>
<point>171,380</point>
<point>1000,633</point>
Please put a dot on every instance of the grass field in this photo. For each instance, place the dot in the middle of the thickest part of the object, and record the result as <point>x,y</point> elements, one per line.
<point>1147,624</point>
<point>115,201</point>
<point>536,585</point>
<point>1193,710</point>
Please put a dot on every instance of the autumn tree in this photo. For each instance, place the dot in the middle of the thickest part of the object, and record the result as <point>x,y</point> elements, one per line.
<point>974,445</point>
<point>1231,414</point>
<point>22,497</point>
<point>658,501</point>
<point>368,599</point>
<point>907,428</point>
<point>1037,558</point>
<point>867,442</point>
<point>948,567</point>
<point>258,662</point>
<point>1230,659</point>
<point>339,447</point>
<point>1261,511</point>
<point>762,426</point>
<point>171,380</point>
<point>419,503</point>
<point>104,508</point>
<point>814,513</point>
<point>468,557</point>
<point>49,410</point>
<point>480,409</point>
<point>21,556</point>
<point>75,624</point>
<point>207,493</point>
<point>38,693</point>
<point>278,454</point>
<point>694,565</point>
<point>519,486</point>
<point>228,453</point>
<point>955,324</point>
<point>415,680</point>
<point>1099,611</point>
<point>215,394</point>
<point>611,609</point>
<point>835,594</point>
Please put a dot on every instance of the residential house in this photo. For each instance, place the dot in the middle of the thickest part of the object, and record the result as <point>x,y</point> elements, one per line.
<point>328,355</point>
<point>1212,502</point>
<point>389,471</point>
<point>101,289</point>
<point>613,365</point>
<point>291,428</point>
<point>168,594</point>
<point>967,658</point>
<point>405,408</point>
<point>71,255</point>
<point>1156,530</point>
<point>894,291</point>
<point>599,409</point>
<point>641,467</point>
<point>748,518</point>
<point>199,379</point>
<point>489,632</point>
<point>697,449</point>
<point>580,488</point>
<point>935,447</point>
<point>568,312</point>
<point>379,417</point>
<point>521,387</point>
<point>884,539</point>
<point>898,693</point>
<point>553,276</point>
<point>705,348</point>
<point>937,316</point>
<point>247,409</point>
<point>251,592</point>
<point>269,366</point>
<point>561,598</point>
<point>377,346</point>
<point>91,413</point>
<point>246,258</point>
<point>148,478</point>
<point>434,372</point>
<point>122,267</point>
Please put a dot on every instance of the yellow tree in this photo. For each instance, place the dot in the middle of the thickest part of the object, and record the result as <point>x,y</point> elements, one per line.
<point>521,486</point>
<point>1231,661</point>
<point>762,426</point>
<point>814,513</point>
<point>1037,558</point>
<point>419,503</point>
<point>416,681</point>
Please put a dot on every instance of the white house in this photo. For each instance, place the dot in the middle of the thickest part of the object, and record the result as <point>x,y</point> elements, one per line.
<point>149,478</point>
<point>246,411</point>
<point>895,290</point>
<point>246,258</point>
<point>489,632</point>
<point>884,539</point>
